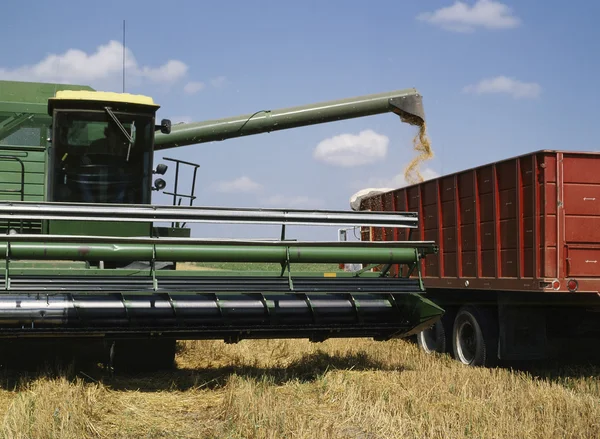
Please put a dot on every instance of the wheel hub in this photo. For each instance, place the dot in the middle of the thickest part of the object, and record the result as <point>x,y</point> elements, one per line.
<point>466,342</point>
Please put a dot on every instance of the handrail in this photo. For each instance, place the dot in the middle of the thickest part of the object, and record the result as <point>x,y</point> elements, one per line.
<point>155,213</point>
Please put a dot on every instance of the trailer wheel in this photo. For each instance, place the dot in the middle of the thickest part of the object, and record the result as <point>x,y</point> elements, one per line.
<point>143,355</point>
<point>474,336</point>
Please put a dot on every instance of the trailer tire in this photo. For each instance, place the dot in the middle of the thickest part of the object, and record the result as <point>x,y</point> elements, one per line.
<point>475,336</point>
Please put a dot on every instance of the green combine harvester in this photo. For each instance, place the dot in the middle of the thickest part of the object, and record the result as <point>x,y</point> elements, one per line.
<point>85,264</point>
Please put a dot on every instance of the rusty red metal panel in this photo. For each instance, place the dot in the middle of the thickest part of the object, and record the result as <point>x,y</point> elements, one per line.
<point>537,211</point>
<point>377,205</point>
<point>469,266</point>
<point>467,210</point>
<point>432,267</point>
<point>584,262</point>
<point>507,174</point>
<point>513,225</point>
<point>413,198</point>
<point>496,216</point>
<point>484,180</point>
<point>580,169</point>
<point>465,185</point>
<point>389,233</point>
<point>432,262</point>
<point>508,235</point>
<point>400,195</point>
<point>547,214</point>
<point>582,229</point>
<point>527,170</point>
<point>527,202</point>
<point>395,270</point>
<point>549,261</point>
<point>402,235</point>
<point>430,217</point>
<point>560,217</point>
<point>582,199</point>
<point>447,188</point>
<point>450,264</point>
<point>468,238</point>
<point>550,198</point>
<point>528,262</point>
<point>487,239</point>
<point>528,234</point>
<point>549,166</point>
<point>488,263</point>
<point>508,262</point>
<point>508,203</point>
<point>486,207</point>
<point>581,210</point>
<point>449,237</point>
<point>457,223</point>
<point>429,193</point>
<point>402,206</point>
<point>439,225</point>
<point>448,214</point>
<point>550,230</point>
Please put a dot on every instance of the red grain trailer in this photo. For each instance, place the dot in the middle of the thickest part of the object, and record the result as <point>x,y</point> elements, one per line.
<point>518,270</point>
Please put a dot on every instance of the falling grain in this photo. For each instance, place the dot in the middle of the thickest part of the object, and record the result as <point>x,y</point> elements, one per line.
<point>422,146</point>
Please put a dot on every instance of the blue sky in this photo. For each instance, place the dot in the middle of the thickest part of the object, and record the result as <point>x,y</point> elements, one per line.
<point>498,78</point>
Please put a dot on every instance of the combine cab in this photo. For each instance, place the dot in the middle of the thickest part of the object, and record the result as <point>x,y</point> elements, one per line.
<point>85,263</point>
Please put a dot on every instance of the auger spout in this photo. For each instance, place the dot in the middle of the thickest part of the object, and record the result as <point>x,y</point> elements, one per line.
<point>405,103</point>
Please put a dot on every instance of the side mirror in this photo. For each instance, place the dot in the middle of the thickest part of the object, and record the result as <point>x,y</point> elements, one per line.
<point>164,127</point>
<point>161,169</point>
<point>159,184</point>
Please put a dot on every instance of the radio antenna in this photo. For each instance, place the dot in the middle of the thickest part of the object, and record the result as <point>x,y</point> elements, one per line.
<point>123,56</point>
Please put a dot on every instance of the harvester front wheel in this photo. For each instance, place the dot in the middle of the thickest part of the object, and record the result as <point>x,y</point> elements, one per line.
<point>132,356</point>
<point>433,339</point>
<point>438,338</point>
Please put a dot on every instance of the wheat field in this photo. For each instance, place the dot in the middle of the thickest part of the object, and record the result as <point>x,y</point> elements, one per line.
<point>297,389</point>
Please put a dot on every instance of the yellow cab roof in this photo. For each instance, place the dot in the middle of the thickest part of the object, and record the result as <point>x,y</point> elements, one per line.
<point>103,96</point>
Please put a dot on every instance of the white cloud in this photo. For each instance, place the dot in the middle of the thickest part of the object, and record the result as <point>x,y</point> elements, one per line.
<point>295,202</point>
<point>352,150</point>
<point>171,71</point>
<point>503,84</point>
<point>106,63</point>
<point>460,17</point>
<point>219,81</point>
<point>193,87</point>
<point>243,184</point>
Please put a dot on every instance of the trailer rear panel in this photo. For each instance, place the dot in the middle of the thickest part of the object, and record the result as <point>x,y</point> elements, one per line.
<point>526,223</point>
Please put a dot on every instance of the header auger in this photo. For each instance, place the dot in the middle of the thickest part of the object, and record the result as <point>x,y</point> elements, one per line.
<point>83,260</point>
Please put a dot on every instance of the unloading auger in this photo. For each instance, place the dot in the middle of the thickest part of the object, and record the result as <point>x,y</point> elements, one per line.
<point>87,261</point>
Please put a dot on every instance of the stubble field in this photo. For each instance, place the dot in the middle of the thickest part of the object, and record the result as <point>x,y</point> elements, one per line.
<point>343,388</point>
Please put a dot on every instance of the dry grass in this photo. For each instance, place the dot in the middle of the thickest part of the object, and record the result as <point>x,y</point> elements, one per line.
<point>287,388</point>
<point>356,389</point>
